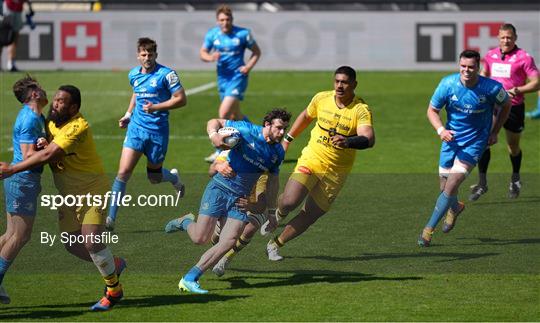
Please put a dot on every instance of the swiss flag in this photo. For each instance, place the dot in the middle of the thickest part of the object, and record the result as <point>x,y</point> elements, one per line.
<point>481,36</point>
<point>81,41</point>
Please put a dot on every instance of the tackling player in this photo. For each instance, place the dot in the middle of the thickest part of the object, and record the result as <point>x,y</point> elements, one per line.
<point>22,189</point>
<point>259,151</point>
<point>469,100</point>
<point>343,126</point>
<point>226,45</point>
<point>77,170</point>
<point>156,90</point>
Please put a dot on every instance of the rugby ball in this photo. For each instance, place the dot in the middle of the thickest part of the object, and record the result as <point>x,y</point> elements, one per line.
<point>233,136</point>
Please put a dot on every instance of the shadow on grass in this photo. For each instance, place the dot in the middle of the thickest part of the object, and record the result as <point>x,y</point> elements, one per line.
<point>58,311</point>
<point>448,256</point>
<point>304,277</point>
<point>500,242</point>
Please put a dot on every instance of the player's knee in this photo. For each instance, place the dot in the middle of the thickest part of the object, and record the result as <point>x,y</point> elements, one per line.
<point>287,203</point>
<point>154,175</point>
<point>514,149</point>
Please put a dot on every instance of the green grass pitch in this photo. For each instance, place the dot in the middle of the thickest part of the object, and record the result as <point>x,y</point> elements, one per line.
<point>360,262</point>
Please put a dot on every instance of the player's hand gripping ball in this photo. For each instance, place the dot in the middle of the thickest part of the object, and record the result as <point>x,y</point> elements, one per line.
<point>233,136</point>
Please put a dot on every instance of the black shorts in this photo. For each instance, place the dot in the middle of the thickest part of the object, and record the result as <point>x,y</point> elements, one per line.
<point>516,119</point>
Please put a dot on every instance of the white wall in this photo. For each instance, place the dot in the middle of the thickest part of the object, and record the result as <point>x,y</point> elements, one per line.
<point>289,40</point>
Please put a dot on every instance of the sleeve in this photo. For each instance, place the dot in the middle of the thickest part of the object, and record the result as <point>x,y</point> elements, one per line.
<point>312,107</point>
<point>365,117</point>
<point>130,78</point>
<point>172,82</point>
<point>530,67</point>
<point>209,40</point>
<point>500,94</point>
<point>438,100</point>
<point>71,136</point>
<point>250,40</point>
<point>29,131</point>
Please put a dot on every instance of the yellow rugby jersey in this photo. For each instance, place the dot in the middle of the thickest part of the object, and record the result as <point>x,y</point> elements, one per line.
<point>332,120</point>
<point>81,169</point>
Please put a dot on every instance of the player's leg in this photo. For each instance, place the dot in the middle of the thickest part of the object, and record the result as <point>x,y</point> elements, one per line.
<point>448,197</point>
<point>308,215</point>
<point>156,150</point>
<point>481,187</point>
<point>20,232</point>
<point>9,231</point>
<point>254,224</point>
<point>513,128</point>
<point>294,193</point>
<point>212,207</point>
<point>12,54</point>
<point>229,234</point>
<point>128,160</point>
<point>229,108</point>
<point>516,155</point>
<point>104,261</point>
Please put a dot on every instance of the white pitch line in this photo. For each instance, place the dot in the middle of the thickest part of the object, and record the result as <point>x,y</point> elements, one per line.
<point>201,88</point>
<point>195,90</point>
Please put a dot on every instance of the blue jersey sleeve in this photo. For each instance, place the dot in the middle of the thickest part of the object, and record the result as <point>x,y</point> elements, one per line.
<point>172,82</point>
<point>500,95</point>
<point>209,40</point>
<point>250,41</point>
<point>438,100</point>
<point>242,126</point>
<point>29,131</point>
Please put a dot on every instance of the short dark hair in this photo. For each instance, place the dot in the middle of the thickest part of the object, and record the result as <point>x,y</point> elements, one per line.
<point>224,9</point>
<point>347,70</point>
<point>74,93</point>
<point>147,44</point>
<point>469,53</point>
<point>508,27</point>
<point>277,113</point>
<point>24,87</point>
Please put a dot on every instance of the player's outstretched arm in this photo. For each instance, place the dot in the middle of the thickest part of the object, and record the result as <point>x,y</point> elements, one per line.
<point>51,153</point>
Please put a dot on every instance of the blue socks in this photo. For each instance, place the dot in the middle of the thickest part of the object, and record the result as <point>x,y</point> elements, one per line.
<point>443,204</point>
<point>193,274</point>
<point>4,265</point>
<point>118,187</point>
<point>167,176</point>
<point>185,223</point>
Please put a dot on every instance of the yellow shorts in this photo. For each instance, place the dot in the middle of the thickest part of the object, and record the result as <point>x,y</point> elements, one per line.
<point>71,219</point>
<point>322,180</point>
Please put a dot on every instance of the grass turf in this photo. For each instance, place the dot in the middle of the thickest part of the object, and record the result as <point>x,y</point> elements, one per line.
<point>359,262</point>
